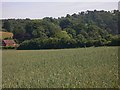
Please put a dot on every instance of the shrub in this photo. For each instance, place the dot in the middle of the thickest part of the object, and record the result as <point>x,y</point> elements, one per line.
<point>8,47</point>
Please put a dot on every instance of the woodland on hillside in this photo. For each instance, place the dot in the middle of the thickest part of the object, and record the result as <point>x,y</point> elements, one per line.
<point>85,29</point>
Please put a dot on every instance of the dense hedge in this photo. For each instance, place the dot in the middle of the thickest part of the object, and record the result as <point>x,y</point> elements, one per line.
<point>55,43</point>
<point>8,47</point>
<point>51,43</point>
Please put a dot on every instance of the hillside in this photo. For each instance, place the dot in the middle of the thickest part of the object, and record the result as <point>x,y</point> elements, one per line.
<point>90,28</point>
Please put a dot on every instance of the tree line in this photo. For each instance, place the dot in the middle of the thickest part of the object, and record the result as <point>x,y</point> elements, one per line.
<point>85,29</point>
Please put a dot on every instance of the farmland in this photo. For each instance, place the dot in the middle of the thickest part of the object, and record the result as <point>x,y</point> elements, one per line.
<point>6,35</point>
<point>71,68</point>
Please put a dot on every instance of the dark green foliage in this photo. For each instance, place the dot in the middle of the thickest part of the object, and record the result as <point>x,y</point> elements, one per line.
<point>90,28</point>
<point>8,47</point>
<point>49,43</point>
<point>65,22</point>
<point>7,25</point>
<point>115,41</point>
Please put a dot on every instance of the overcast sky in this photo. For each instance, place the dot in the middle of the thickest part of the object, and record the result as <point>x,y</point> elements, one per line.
<point>60,0</point>
<point>35,10</point>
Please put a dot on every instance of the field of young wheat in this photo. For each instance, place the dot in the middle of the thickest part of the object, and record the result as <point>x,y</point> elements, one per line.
<point>94,67</point>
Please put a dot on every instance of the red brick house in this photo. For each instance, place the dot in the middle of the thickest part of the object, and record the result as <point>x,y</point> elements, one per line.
<point>11,43</point>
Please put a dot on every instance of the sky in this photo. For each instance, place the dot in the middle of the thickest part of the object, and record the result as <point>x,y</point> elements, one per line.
<point>59,0</point>
<point>35,10</point>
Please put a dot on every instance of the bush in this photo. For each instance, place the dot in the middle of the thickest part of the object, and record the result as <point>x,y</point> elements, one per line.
<point>115,41</point>
<point>8,47</point>
<point>59,43</point>
<point>49,43</point>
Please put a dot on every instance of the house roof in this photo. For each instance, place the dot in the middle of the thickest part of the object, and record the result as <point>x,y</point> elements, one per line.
<point>9,41</point>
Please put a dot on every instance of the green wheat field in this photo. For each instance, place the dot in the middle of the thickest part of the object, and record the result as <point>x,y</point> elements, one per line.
<point>94,67</point>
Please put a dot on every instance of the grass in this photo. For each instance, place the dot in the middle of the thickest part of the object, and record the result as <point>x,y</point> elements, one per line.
<point>67,68</point>
<point>4,35</point>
